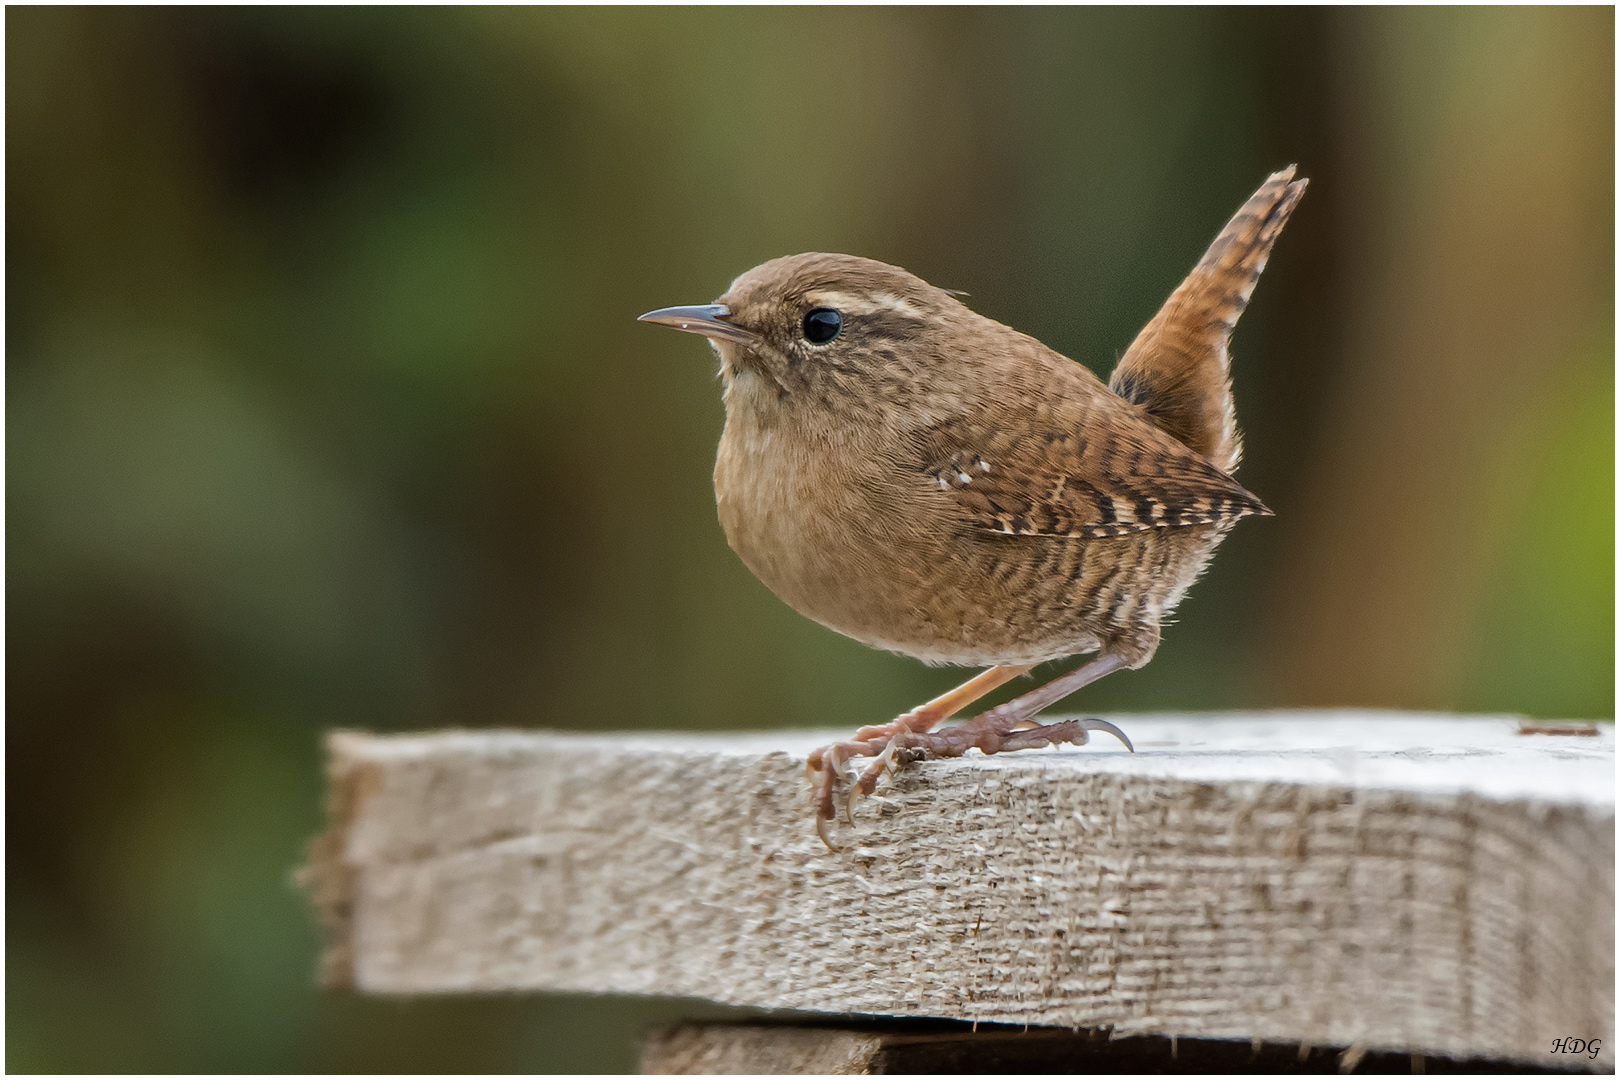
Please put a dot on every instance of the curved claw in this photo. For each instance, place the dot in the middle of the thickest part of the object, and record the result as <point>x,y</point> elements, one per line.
<point>825,773</point>
<point>823,778</point>
<point>821,831</point>
<point>1103,725</point>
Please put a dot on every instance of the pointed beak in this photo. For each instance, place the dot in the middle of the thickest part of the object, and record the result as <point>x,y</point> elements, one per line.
<point>705,319</point>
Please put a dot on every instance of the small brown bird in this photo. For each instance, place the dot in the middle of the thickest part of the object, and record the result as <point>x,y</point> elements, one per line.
<point>923,479</point>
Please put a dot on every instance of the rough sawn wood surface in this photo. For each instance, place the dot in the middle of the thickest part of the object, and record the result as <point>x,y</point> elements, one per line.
<point>1403,882</point>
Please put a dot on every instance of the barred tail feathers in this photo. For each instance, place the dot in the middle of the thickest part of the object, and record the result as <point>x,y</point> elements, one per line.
<point>1177,368</point>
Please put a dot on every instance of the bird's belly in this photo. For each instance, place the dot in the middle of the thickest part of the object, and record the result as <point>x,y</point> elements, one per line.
<point>898,571</point>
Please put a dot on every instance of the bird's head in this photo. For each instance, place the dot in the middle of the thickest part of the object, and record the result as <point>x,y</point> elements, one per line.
<point>828,333</point>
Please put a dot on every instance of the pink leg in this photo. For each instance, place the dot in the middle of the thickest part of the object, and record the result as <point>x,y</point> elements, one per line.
<point>990,732</point>
<point>1022,708</point>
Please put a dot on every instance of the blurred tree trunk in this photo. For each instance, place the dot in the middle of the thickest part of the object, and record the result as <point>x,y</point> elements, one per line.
<point>1478,219</point>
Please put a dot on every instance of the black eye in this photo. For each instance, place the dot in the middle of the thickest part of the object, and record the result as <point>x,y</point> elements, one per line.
<point>822,325</point>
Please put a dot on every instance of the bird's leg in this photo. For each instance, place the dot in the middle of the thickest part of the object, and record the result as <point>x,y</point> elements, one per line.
<point>878,740</point>
<point>947,705</point>
<point>997,730</point>
<point>921,719</point>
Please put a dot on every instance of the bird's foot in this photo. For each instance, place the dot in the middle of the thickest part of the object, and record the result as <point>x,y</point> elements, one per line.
<point>889,743</point>
<point>990,733</point>
<point>993,733</point>
<point>829,763</point>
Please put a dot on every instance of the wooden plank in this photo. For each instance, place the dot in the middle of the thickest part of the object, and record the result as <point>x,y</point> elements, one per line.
<point>1397,882</point>
<point>886,1048</point>
<point>748,1049</point>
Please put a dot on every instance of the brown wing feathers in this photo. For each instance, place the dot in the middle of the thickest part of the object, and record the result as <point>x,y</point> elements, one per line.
<point>1118,482</point>
<point>1168,465</point>
<point>1177,368</point>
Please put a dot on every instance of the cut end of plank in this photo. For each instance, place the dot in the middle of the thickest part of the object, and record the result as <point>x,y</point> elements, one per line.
<point>328,878</point>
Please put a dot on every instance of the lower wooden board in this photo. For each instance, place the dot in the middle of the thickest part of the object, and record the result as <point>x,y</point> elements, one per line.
<point>890,1048</point>
<point>1399,883</point>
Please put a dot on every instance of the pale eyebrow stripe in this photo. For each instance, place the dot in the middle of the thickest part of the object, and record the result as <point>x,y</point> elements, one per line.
<point>866,304</point>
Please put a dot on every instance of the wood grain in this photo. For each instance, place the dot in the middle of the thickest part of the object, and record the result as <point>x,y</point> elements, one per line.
<point>1399,882</point>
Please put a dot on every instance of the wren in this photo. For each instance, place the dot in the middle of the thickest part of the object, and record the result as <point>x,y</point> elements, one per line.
<point>926,480</point>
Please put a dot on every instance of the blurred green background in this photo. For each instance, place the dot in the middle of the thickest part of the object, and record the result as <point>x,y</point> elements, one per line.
<point>326,407</point>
